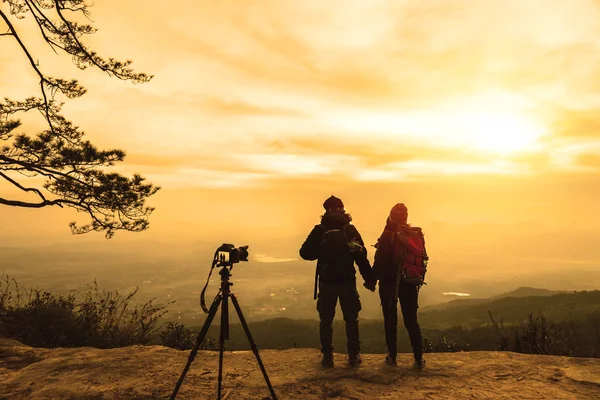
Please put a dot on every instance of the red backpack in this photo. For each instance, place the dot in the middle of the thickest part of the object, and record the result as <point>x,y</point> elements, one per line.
<point>410,255</point>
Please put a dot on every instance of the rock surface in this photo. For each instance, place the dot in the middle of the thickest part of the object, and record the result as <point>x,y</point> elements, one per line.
<point>151,372</point>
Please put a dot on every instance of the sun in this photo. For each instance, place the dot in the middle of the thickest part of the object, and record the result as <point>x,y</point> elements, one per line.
<point>494,132</point>
<point>497,132</point>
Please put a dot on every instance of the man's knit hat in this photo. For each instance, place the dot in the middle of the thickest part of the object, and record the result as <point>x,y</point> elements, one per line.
<point>332,202</point>
<point>398,214</point>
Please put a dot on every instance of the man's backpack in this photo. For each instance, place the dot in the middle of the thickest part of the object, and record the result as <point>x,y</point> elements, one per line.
<point>409,254</point>
<point>335,253</point>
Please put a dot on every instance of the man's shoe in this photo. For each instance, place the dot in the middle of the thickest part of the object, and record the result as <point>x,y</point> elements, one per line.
<point>390,360</point>
<point>327,361</point>
<point>354,360</point>
<point>419,363</point>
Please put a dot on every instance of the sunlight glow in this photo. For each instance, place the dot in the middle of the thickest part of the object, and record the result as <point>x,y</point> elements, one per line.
<point>496,132</point>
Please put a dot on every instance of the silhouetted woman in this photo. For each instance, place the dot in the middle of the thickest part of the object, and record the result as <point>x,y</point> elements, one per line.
<point>400,262</point>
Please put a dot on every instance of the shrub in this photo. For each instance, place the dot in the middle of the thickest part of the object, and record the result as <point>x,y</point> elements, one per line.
<point>176,335</point>
<point>107,319</point>
<point>536,335</point>
<point>441,344</point>
<point>102,319</point>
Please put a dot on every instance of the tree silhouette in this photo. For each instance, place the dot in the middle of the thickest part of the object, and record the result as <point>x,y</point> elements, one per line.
<point>73,169</point>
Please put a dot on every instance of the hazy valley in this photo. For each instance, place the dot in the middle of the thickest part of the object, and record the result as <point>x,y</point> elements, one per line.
<point>275,283</point>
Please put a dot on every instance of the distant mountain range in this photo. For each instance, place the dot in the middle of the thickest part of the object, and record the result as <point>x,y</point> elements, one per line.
<point>528,291</point>
<point>471,301</point>
<point>512,307</point>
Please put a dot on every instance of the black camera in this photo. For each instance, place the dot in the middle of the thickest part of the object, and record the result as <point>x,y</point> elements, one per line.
<point>229,254</point>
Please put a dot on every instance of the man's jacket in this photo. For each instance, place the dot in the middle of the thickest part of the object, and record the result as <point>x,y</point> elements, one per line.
<point>310,249</point>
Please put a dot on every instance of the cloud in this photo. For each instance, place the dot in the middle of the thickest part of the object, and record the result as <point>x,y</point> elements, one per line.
<point>386,51</point>
<point>588,160</point>
<point>195,177</point>
<point>222,107</point>
<point>576,123</point>
<point>577,156</point>
<point>368,91</point>
<point>250,170</point>
<point>423,169</point>
<point>293,164</point>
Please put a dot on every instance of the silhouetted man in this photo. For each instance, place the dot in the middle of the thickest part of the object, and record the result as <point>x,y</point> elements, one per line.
<point>394,250</point>
<point>337,245</point>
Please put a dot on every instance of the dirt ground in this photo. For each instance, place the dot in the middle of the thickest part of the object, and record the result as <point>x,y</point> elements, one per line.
<point>151,372</point>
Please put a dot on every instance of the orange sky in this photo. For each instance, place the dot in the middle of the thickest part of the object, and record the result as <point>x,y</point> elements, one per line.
<point>466,111</point>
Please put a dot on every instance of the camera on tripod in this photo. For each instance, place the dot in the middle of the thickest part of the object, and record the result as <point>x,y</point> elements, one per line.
<point>225,256</point>
<point>229,254</point>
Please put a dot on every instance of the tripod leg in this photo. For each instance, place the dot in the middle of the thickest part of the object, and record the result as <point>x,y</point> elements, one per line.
<point>224,334</point>
<point>211,314</point>
<point>252,344</point>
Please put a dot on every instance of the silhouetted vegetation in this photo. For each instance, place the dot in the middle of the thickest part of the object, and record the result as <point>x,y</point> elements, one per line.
<point>537,335</point>
<point>105,319</point>
<point>442,344</point>
<point>97,318</point>
<point>177,336</point>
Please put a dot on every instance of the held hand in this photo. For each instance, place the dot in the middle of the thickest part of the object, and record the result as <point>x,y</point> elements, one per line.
<point>370,285</point>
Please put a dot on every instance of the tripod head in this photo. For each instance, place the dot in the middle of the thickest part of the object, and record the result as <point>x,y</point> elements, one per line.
<point>225,273</point>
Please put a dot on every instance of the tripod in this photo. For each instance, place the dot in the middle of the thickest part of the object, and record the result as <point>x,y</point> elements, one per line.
<point>222,299</point>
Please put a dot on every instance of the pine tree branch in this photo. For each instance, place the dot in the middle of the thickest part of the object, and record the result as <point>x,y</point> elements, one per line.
<point>17,184</point>
<point>34,66</point>
<point>40,24</point>
<point>46,19</point>
<point>17,203</point>
<point>76,39</point>
<point>111,67</point>
<point>41,170</point>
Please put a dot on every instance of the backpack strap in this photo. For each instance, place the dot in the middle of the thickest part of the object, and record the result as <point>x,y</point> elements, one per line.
<point>400,261</point>
<point>317,269</point>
